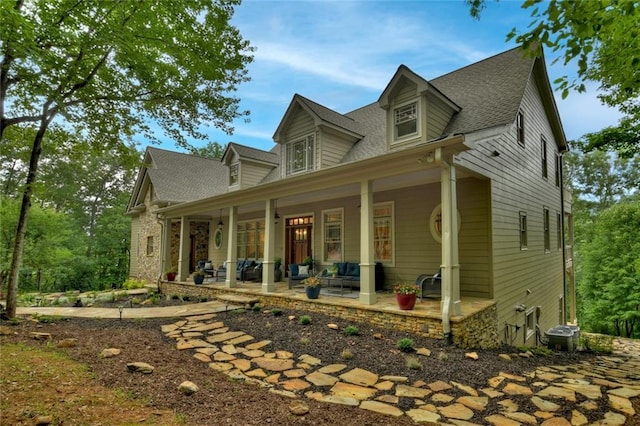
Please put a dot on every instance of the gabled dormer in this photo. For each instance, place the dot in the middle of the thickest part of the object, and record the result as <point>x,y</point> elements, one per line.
<point>247,166</point>
<point>313,136</point>
<point>416,110</point>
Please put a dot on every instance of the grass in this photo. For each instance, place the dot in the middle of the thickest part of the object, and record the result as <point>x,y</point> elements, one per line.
<point>29,373</point>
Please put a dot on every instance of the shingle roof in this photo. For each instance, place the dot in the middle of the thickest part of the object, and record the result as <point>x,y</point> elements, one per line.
<point>489,92</point>
<point>179,177</point>
<point>247,152</point>
<point>331,116</point>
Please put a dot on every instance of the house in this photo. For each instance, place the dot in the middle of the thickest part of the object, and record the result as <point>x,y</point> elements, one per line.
<point>461,174</point>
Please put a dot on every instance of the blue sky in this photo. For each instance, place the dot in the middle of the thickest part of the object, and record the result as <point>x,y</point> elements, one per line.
<point>342,54</point>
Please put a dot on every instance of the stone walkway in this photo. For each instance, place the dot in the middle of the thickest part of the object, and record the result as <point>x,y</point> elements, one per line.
<point>616,378</point>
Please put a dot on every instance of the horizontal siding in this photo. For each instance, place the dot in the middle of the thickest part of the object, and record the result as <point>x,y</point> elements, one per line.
<point>517,185</point>
<point>438,116</point>
<point>301,125</point>
<point>252,174</point>
<point>332,148</point>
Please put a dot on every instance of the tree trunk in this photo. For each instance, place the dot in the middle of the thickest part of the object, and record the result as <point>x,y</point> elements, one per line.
<point>18,248</point>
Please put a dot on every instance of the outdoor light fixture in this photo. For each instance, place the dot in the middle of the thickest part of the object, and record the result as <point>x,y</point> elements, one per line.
<point>276,216</point>
<point>220,222</point>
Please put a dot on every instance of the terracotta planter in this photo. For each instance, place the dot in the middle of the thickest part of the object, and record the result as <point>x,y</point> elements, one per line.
<point>171,276</point>
<point>312,292</point>
<point>406,302</point>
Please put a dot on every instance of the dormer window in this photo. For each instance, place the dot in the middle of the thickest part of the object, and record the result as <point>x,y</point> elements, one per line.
<point>300,155</point>
<point>233,174</point>
<point>405,120</point>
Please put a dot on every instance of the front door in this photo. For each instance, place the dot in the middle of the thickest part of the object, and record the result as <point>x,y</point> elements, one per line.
<point>299,233</point>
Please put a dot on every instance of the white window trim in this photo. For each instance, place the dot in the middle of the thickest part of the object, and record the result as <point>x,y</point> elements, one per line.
<point>324,213</point>
<point>546,229</point>
<point>258,247</point>
<point>392,238</point>
<point>395,139</point>
<point>309,162</point>
<point>436,214</point>
<point>523,215</point>
<point>231,167</point>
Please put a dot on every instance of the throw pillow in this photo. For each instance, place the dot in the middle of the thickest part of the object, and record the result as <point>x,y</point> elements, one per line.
<point>303,270</point>
<point>208,265</point>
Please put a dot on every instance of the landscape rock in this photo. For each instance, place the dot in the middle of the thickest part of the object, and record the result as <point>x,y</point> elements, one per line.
<point>68,343</point>
<point>140,367</point>
<point>110,352</point>
<point>188,388</point>
<point>299,408</point>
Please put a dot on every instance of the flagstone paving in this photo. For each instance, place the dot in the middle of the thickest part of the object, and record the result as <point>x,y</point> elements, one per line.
<point>614,379</point>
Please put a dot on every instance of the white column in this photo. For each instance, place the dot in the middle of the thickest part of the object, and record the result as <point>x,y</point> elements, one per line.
<point>232,247</point>
<point>367,264</point>
<point>165,255</point>
<point>183,259</point>
<point>450,263</point>
<point>268,271</point>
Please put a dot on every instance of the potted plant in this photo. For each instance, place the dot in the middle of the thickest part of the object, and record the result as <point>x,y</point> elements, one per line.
<point>171,273</point>
<point>406,294</point>
<point>198,277</point>
<point>312,286</point>
<point>278,271</point>
<point>333,271</point>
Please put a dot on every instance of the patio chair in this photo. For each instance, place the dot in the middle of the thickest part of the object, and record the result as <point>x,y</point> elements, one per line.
<point>431,285</point>
<point>296,275</point>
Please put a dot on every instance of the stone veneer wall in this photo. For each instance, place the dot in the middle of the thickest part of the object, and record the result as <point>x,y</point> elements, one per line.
<point>476,331</point>
<point>200,231</point>
<point>148,265</point>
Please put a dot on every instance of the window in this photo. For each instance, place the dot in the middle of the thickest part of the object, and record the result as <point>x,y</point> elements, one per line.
<point>520,127</point>
<point>406,120</point>
<point>530,323</point>
<point>547,236</point>
<point>233,174</point>
<point>251,240</point>
<point>332,234</point>
<point>559,230</point>
<point>523,230</point>
<point>149,246</point>
<point>300,155</point>
<point>543,153</point>
<point>383,232</point>
<point>558,168</point>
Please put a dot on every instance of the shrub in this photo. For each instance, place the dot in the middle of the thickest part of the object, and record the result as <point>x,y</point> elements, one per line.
<point>405,345</point>
<point>351,330</point>
<point>346,354</point>
<point>413,363</point>
<point>598,343</point>
<point>305,340</point>
<point>276,312</point>
<point>257,307</point>
<point>442,356</point>
<point>132,283</point>
<point>305,320</point>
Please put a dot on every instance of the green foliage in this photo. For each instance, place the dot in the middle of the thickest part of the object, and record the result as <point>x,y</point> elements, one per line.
<point>351,330</point>
<point>405,344</point>
<point>276,312</point>
<point>210,150</point>
<point>609,285</point>
<point>598,343</point>
<point>443,356</point>
<point>132,283</point>
<point>305,340</point>
<point>305,320</point>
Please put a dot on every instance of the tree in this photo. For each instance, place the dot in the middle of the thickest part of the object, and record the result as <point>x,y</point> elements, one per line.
<point>624,139</point>
<point>103,68</point>
<point>611,272</point>
<point>210,150</point>
<point>603,37</point>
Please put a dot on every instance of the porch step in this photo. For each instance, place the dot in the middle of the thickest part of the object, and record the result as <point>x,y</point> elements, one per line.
<point>238,299</point>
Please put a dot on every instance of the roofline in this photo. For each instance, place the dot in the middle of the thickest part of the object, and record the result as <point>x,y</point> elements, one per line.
<point>549,101</point>
<point>370,168</point>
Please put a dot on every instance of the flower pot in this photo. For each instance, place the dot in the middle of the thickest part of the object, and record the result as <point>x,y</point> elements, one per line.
<point>171,276</point>
<point>406,302</point>
<point>313,292</point>
<point>198,279</point>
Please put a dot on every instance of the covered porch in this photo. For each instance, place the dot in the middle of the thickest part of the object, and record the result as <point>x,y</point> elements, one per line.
<point>476,326</point>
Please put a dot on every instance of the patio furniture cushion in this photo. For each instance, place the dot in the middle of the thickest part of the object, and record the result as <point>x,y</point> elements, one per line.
<point>342,268</point>
<point>353,270</point>
<point>303,270</point>
<point>293,268</point>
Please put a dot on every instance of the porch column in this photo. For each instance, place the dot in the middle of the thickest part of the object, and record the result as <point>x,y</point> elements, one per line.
<point>232,247</point>
<point>165,253</point>
<point>183,258</point>
<point>268,264</point>
<point>367,264</point>
<point>450,262</point>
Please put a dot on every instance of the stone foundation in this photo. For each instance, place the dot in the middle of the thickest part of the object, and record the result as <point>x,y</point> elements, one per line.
<point>478,330</point>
